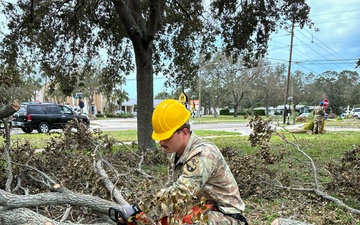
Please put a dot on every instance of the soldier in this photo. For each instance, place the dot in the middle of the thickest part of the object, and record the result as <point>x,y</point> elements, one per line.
<point>198,169</point>
<point>319,114</point>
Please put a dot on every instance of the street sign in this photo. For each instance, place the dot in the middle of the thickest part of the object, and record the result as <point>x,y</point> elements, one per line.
<point>77,95</point>
<point>183,98</point>
<point>326,102</point>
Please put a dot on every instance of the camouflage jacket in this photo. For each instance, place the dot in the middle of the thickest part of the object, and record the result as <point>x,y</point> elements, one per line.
<point>318,113</point>
<point>201,173</point>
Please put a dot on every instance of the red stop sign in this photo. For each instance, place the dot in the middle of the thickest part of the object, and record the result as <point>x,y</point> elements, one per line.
<point>326,102</point>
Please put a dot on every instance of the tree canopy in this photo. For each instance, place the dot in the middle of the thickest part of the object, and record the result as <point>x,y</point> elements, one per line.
<point>149,36</point>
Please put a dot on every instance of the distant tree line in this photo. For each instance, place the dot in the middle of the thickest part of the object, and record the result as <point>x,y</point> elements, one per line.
<point>223,83</point>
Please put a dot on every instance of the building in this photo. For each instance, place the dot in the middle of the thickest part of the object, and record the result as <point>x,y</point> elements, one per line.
<point>99,104</point>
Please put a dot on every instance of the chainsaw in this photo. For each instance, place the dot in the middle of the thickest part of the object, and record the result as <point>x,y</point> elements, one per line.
<point>118,217</point>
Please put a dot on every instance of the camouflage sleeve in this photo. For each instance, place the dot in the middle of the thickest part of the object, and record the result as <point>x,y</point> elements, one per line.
<point>180,195</point>
<point>322,112</point>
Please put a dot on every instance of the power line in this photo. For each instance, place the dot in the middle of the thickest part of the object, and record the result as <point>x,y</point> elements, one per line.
<point>331,21</point>
<point>335,53</point>
<point>306,58</point>
<point>323,14</point>
<point>315,51</point>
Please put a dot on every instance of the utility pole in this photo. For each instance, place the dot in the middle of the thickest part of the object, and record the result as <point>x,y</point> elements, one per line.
<point>289,71</point>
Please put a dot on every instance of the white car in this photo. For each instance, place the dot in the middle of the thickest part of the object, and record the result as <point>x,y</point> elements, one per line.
<point>119,112</point>
<point>305,115</point>
<point>355,113</point>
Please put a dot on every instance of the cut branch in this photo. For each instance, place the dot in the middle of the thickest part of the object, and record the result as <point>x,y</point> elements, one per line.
<point>10,109</point>
<point>24,216</point>
<point>12,201</point>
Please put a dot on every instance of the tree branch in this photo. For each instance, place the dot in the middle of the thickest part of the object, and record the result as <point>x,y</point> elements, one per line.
<point>24,216</point>
<point>12,201</point>
<point>316,189</point>
<point>10,109</point>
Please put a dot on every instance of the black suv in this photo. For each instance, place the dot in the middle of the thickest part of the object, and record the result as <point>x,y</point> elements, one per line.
<point>44,116</point>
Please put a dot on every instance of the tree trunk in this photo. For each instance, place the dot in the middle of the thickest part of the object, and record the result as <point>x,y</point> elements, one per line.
<point>236,109</point>
<point>145,95</point>
<point>141,33</point>
<point>10,109</point>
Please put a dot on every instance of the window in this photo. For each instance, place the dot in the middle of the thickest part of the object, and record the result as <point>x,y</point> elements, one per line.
<point>65,110</point>
<point>35,109</point>
<point>51,109</point>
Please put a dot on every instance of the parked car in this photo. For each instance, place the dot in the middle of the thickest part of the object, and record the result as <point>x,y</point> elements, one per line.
<point>44,117</point>
<point>305,115</point>
<point>355,113</point>
<point>119,112</point>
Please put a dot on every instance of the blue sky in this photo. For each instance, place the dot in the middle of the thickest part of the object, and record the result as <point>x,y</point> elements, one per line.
<point>335,47</point>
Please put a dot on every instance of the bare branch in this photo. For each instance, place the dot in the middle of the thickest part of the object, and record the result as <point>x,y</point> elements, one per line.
<point>12,201</point>
<point>108,184</point>
<point>53,185</point>
<point>24,216</point>
<point>316,189</point>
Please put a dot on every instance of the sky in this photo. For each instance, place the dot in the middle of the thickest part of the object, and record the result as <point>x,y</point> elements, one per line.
<point>335,47</point>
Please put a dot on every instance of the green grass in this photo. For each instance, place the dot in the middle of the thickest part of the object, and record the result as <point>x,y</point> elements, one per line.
<point>352,122</point>
<point>230,139</point>
<point>40,140</point>
<point>218,119</point>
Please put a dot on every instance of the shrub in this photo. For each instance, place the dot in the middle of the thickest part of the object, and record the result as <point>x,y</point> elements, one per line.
<point>259,112</point>
<point>99,115</point>
<point>111,115</point>
<point>225,112</point>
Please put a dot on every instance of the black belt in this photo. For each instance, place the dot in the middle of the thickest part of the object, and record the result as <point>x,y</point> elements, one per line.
<point>237,216</point>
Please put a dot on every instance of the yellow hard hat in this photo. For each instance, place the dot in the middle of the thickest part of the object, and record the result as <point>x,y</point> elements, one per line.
<point>167,117</point>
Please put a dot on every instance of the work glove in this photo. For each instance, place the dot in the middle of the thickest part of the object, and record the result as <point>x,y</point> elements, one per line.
<point>124,213</point>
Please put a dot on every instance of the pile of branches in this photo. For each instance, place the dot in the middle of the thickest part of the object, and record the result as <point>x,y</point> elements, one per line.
<point>345,176</point>
<point>76,178</point>
<point>81,173</point>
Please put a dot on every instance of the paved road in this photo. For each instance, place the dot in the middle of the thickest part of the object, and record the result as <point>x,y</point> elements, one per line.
<point>238,127</point>
<point>131,124</point>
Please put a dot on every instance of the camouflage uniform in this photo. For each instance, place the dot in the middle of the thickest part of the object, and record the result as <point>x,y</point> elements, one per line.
<point>318,113</point>
<point>202,172</point>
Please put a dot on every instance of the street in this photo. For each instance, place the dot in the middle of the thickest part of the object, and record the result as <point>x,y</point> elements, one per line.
<point>115,124</point>
<point>131,124</point>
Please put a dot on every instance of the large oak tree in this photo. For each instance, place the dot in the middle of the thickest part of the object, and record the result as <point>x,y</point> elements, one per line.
<point>153,36</point>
